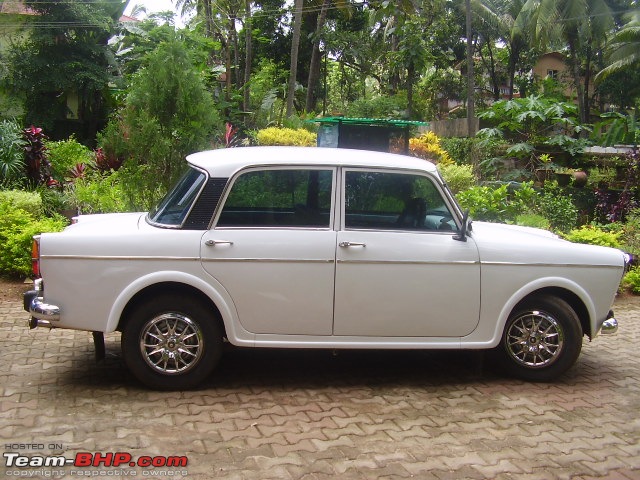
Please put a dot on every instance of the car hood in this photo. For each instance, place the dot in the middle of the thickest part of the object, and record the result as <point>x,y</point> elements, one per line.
<point>525,245</point>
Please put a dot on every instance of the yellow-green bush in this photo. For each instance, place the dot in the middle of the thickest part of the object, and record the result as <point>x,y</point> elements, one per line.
<point>592,235</point>
<point>17,228</point>
<point>286,136</point>
<point>427,146</point>
<point>458,177</point>
<point>31,202</point>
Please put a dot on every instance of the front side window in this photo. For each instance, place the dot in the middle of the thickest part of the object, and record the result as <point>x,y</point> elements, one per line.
<point>279,198</point>
<point>394,201</point>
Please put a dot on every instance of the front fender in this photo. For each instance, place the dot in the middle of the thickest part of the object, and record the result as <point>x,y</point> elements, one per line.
<point>536,286</point>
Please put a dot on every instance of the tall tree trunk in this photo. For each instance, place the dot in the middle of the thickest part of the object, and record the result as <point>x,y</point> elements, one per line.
<point>248,40</point>
<point>208,18</point>
<point>577,78</point>
<point>295,44</point>
<point>314,67</point>
<point>234,43</point>
<point>411,73</point>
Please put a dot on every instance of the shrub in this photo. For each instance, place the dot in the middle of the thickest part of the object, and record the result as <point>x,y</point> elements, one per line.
<point>99,194</point>
<point>30,202</point>
<point>11,152</point>
<point>558,207</point>
<point>17,228</point>
<point>427,146</point>
<point>498,204</point>
<point>592,235</point>
<point>532,220</point>
<point>286,136</point>
<point>458,177</point>
<point>631,280</point>
<point>65,155</point>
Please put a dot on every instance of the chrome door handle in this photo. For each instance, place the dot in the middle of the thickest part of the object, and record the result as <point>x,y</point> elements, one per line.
<point>213,243</point>
<point>352,244</point>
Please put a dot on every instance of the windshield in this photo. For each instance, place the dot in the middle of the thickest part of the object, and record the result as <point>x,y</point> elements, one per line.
<point>175,206</point>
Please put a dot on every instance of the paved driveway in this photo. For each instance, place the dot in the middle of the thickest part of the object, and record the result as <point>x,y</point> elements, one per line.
<point>294,414</point>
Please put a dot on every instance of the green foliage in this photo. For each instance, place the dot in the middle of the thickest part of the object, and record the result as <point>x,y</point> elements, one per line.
<point>631,232</point>
<point>558,207</point>
<point>592,235</point>
<point>498,204</point>
<point>70,57</point>
<point>631,280</point>
<point>65,155</point>
<point>532,220</point>
<point>378,107</point>
<point>458,177</point>
<point>99,193</point>
<point>461,149</point>
<point>11,152</point>
<point>30,202</point>
<point>618,128</point>
<point>17,228</point>
<point>286,136</point>
<point>533,123</point>
<point>169,114</point>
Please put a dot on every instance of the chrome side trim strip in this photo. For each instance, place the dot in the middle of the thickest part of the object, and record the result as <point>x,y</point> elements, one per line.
<point>411,262</point>
<point>532,264</point>
<point>268,260</point>
<point>118,257</point>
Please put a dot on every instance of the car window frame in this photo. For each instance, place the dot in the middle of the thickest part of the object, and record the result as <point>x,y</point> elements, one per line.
<point>452,207</point>
<point>260,168</point>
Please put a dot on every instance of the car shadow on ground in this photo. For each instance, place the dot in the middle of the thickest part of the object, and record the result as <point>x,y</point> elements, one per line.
<point>314,369</point>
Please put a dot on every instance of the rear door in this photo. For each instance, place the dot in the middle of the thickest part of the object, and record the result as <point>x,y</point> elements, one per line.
<point>273,249</point>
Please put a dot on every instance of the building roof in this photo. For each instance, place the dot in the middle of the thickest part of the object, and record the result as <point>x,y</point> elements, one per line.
<point>378,122</point>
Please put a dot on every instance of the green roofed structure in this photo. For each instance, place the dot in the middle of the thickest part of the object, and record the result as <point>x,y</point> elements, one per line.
<point>366,133</point>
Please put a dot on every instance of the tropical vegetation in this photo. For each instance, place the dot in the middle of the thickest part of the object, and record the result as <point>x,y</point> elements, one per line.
<point>109,106</point>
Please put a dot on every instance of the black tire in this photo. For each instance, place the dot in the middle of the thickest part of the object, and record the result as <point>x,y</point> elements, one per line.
<point>541,340</point>
<point>172,342</point>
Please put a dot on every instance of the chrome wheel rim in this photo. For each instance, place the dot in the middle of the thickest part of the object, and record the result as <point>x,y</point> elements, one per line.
<point>171,343</point>
<point>534,339</point>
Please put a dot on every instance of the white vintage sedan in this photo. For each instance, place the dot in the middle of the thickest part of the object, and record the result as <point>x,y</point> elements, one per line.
<point>319,248</point>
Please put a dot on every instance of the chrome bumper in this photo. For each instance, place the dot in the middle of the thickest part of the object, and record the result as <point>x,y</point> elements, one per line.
<point>610,325</point>
<point>42,314</point>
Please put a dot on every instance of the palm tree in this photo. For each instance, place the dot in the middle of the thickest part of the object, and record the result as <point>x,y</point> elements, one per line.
<point>581,24</point>
<point>501,16</point>
<point>624,48</point>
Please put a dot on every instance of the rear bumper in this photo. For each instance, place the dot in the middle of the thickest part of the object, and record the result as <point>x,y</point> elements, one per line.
<point>42,314</point>
<point>610,325</point>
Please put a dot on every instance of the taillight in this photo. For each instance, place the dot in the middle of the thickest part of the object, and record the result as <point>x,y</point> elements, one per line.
<point>35,256</point>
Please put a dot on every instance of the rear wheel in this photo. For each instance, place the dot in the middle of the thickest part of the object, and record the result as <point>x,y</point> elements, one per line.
<point>541,340</point>
<point>171,343</point>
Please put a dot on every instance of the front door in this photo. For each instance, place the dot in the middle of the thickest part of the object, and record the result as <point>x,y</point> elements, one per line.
<point>400,272</point>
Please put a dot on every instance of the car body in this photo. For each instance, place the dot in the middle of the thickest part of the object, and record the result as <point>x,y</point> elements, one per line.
<point>291,247</point>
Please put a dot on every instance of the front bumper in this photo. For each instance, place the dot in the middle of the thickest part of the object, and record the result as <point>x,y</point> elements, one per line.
<point>42,314</point>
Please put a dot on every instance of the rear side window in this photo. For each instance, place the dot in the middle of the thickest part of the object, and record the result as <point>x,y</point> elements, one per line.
<point>279,198</point>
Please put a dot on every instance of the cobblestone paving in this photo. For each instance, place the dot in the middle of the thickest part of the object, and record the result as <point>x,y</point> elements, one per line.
<point>307,415</point>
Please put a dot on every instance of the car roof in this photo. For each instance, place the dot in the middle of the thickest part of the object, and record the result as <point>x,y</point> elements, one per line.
<point>227,161</point>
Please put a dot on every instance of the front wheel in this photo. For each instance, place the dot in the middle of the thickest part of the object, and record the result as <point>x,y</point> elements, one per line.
<point>541,340</point>
<point>171,343</point>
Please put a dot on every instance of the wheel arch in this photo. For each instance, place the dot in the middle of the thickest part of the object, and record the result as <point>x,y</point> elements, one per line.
<point>162,288</point>
<point>574,301</point>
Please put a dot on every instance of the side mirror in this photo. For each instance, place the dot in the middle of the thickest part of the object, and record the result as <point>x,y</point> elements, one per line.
<point>462,234</point>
